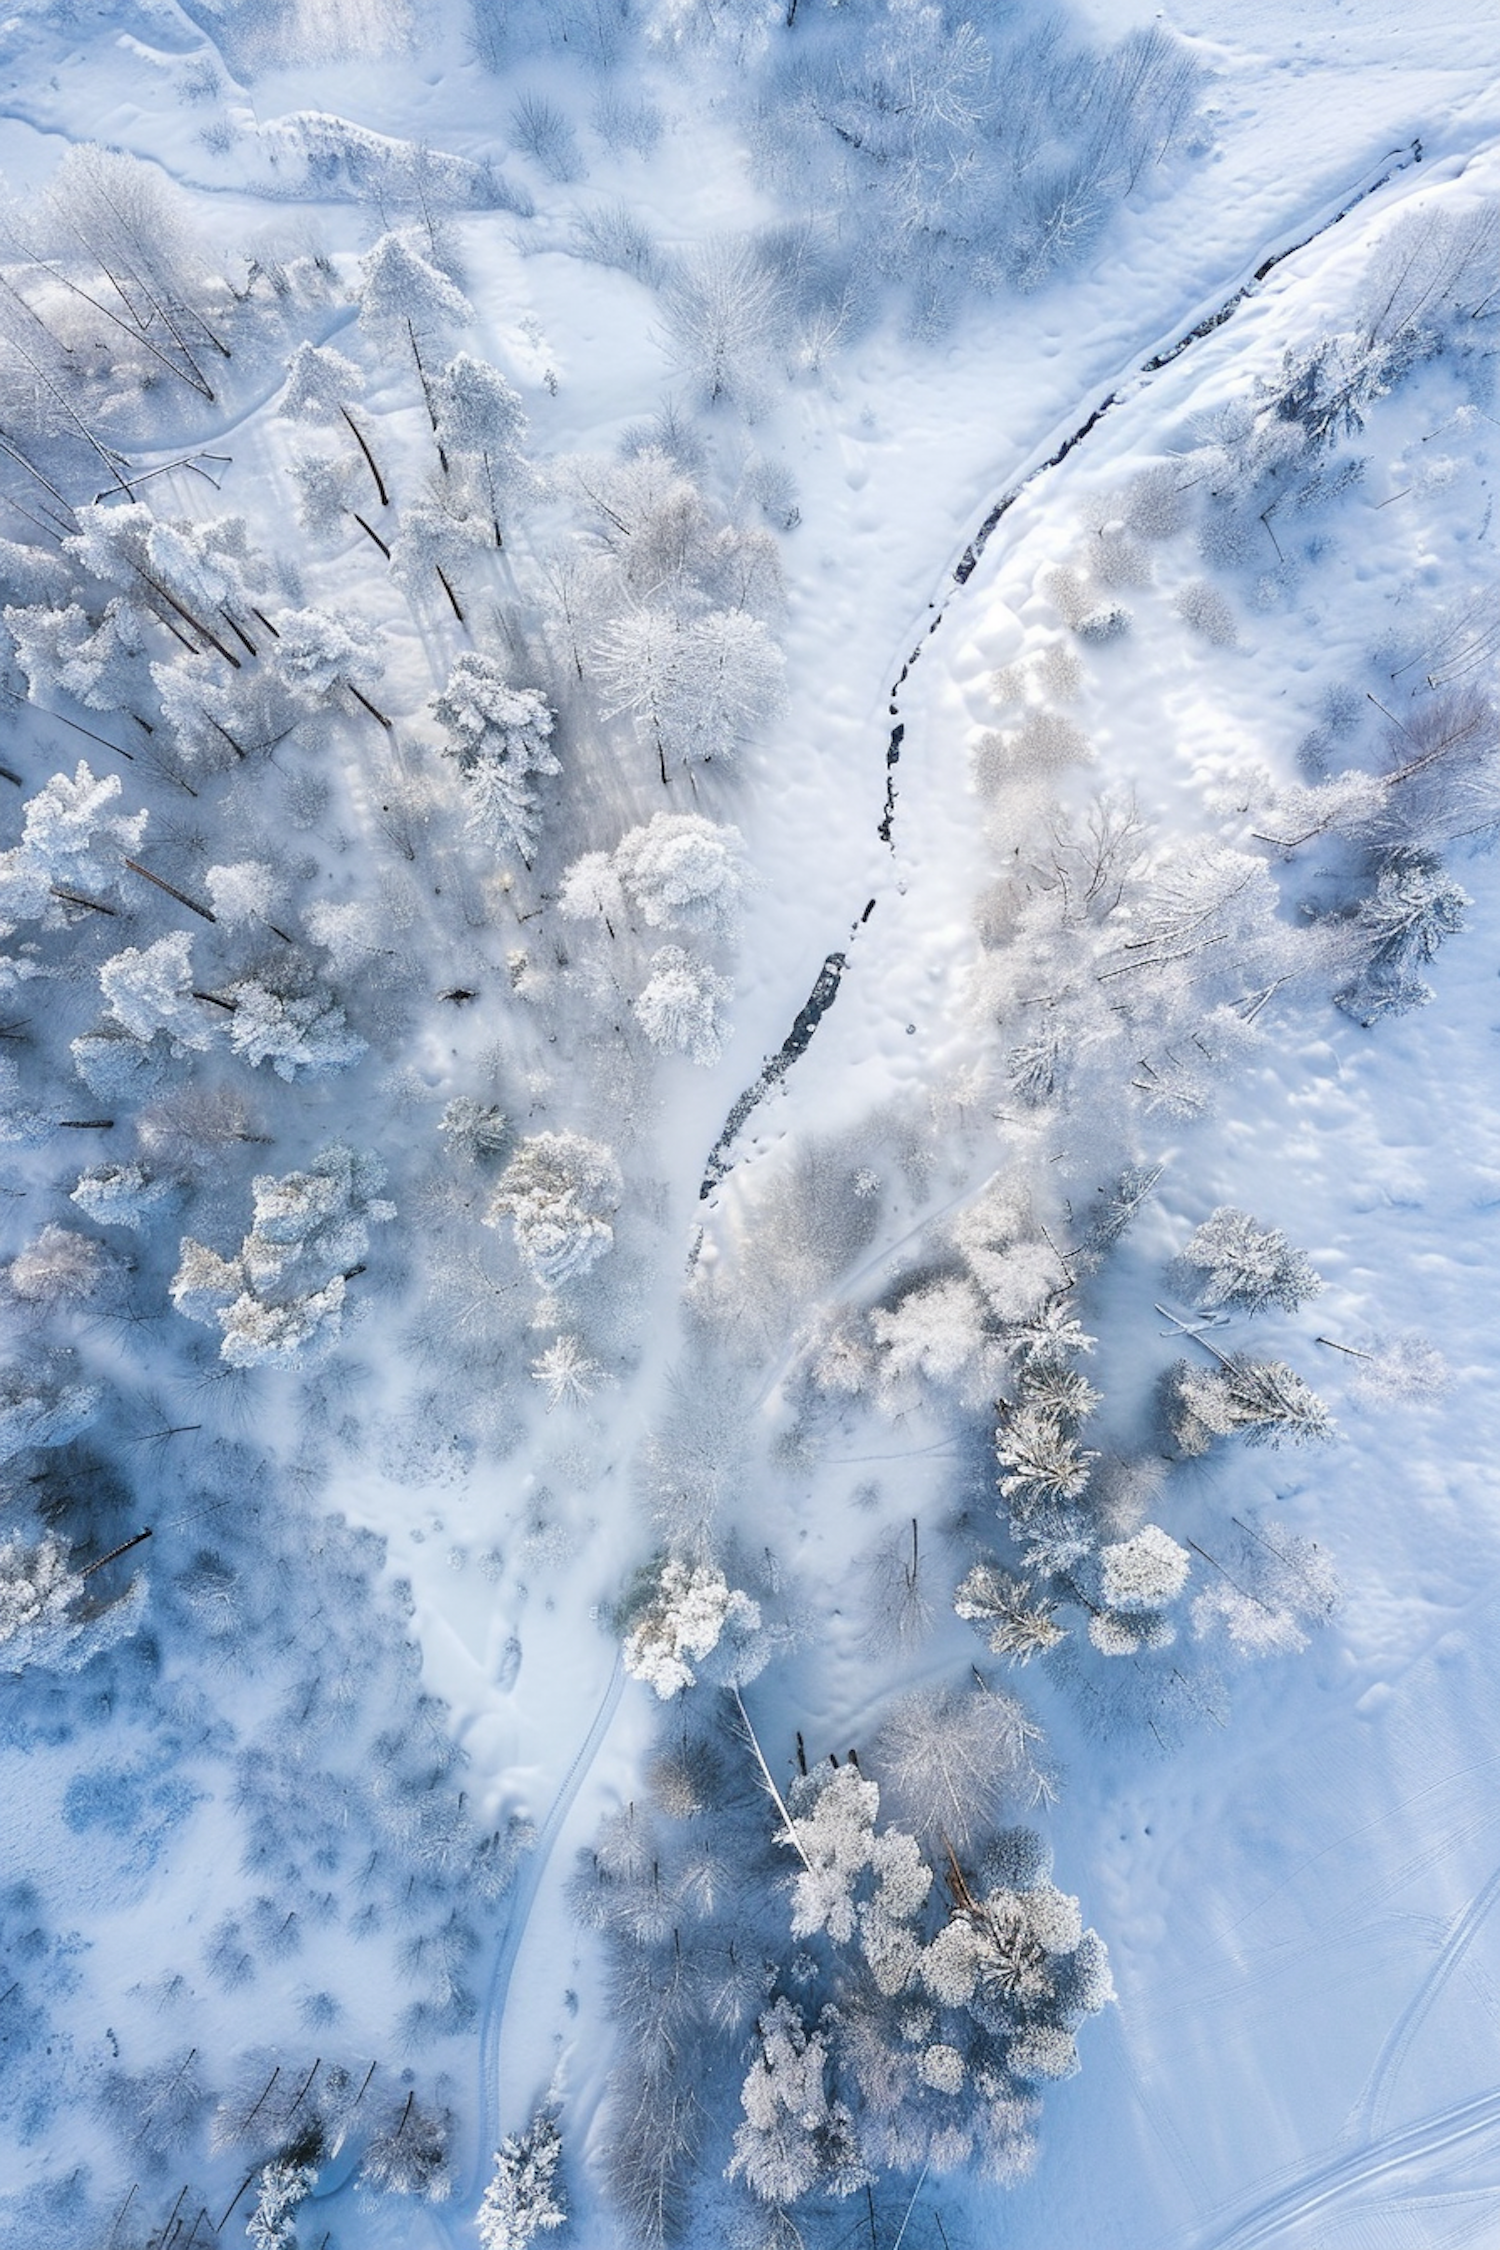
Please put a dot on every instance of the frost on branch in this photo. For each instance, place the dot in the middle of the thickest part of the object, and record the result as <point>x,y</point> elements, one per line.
<point>282,1296</point>
<point>690,1611</point>
<point>560,1192</point>
<point>1246,1265</point>
<point>522,2200</point>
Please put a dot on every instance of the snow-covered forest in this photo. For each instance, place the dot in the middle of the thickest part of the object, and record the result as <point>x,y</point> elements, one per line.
<point>750,764</point>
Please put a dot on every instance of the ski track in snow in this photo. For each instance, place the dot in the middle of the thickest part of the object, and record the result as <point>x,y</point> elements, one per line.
<point>1374,2103</point>
<point>1413,2149</point>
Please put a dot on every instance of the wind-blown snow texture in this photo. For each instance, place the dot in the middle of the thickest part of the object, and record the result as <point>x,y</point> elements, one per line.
<point>747,988</point>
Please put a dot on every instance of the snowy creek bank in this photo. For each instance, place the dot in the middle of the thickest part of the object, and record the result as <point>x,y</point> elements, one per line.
<point>1128,386</point>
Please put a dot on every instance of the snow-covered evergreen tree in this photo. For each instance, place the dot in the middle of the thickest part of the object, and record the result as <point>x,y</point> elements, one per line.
<point>500,738</point>
<point>283,2188</point>
<point>523,2200</point>
<point>689,1612</point>
<point>1260,1399</point>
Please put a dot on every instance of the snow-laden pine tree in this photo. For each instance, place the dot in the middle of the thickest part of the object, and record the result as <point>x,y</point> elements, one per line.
<point>73,840</point>
<point>1022,1623</point>
<point>283,2188</point>
<point>795,2140</point>
<point>1415,905</point>
<point>46,1618</point>
<point>282,1295</point>
<point>522,2200</point>
<point>500,738</point>
<point>149,989</point>
<point>1233,1260</point>
<point>301,1035</point>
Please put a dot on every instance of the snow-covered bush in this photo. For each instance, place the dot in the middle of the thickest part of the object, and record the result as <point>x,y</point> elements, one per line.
<point>1021,1622</point>
<point>149,989</point>
<point>121,1195</point>
<point>1397,929</point>
<point>559,1192</point>
<point>72,839</point>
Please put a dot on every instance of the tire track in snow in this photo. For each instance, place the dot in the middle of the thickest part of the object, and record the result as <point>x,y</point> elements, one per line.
<point>1127,386</point>
<point>1415,2149</point>
<point>1371,2110</point>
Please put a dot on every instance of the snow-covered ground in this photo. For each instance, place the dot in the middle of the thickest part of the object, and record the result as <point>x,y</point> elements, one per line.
<point>317,1810</point>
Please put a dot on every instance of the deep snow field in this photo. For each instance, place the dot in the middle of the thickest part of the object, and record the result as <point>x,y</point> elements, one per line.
<point>748,1012</point>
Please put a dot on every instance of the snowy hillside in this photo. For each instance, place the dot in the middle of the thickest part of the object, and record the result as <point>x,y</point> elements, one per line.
<point>748,932</point>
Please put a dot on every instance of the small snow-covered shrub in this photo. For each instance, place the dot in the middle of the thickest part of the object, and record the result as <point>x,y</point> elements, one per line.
<point>1201,606</point>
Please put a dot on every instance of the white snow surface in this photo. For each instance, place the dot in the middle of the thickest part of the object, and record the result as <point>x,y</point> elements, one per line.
<point>1299,1898</point>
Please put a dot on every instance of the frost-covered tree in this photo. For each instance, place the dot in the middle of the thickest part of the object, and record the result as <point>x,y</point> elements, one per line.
<point>319,384</point>
<point>301,1035</point>
<point>1040,1456</point>
<point>245,891</point>
<point>680,871</point>
<point>1274,1589</point>
<point>950,1759</point>
<point>724,313</point>
<point>73,840</point>
<point>795,2140</point>
<point>317,650</point>
<point>122,1195</point>
<point>410,2152</point>
<point>283,1293</point>
<point>559,1192</point>
<point>681,1006</point>
<point>149,989</point>
<point>1259,1399</point>
<point>523,2199</point>
<point>43,1405</point>
<point>480,424</point>
<point>500,737</point>
<point>283,2187</point>
<point>404,294</point>
<point>1143,1572</point>
<point>1021,1622</point>
<point>937,1333</point>
<point>46,1618</point>
<point>566,1373</point>
<point>689,1613</point>
<point>61,1267</point>
<point>477,1128</point>
<point>1398,929</point>
<point>697,689</point>
<point>434,541</point>
<point>1232,1260</point>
